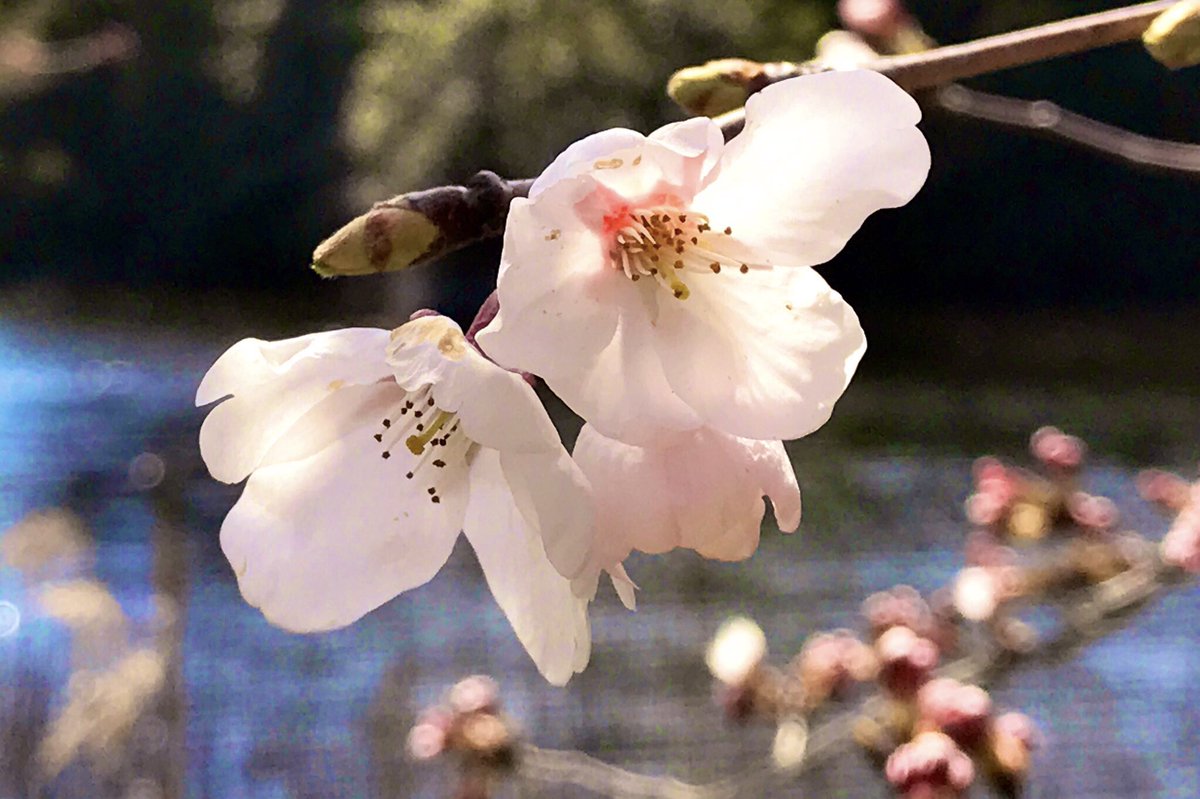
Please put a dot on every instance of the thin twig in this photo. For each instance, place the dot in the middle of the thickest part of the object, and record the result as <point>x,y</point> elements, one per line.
<point>1096,612</point>
<point>942,65</point>
<point>1048,119</point>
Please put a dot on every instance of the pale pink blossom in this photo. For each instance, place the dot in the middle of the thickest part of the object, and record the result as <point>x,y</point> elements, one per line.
<point>704,490</point>
<point>663,283</point>
<point>367,453</point>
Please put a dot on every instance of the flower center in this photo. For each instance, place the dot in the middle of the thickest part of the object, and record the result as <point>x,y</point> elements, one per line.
<point>667,244</point>
<point>432,440</point>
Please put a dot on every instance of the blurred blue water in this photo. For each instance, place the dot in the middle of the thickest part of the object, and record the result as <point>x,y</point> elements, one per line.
<point>271,714</point>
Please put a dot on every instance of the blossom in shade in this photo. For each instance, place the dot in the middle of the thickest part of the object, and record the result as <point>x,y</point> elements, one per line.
<point>663,282</point>
<point>367,453</point>
<point>703,490</point>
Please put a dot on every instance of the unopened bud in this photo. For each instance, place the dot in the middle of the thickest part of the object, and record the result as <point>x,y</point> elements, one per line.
<point>1056,449</point>
<point>961,711</point>
<point>385,239</point>
<point>1173,38</point>
<point>930,765</point>
<point>714,88</point>
<point>906,660</point>
<point>475,694</point>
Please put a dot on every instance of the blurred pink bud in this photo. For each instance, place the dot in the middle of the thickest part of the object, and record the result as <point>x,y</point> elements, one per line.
<point>1020,727</point>
<point>829,662</point>
<point>1056,449</point>
<point>475,694</point>
<point>984,549</point>
<point>986,508</point>
<point>1181,545</point>
<point>1013,738</point>
<point>879,18</point>
<point>901,606</point>
<point>929,765</point>
<point>906,660</point>
<point>961,711</point>
<point>421,313</point>
<point>1093,513</point>
<point>426,741</point>
<point>1163,488</point>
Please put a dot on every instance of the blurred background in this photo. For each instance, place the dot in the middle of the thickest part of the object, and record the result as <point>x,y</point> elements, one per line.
<point>165,172</point>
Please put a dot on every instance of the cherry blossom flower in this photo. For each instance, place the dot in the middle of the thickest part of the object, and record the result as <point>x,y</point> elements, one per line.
<point>662,283</point>
<point>367,453</point>
<point>704,491</point>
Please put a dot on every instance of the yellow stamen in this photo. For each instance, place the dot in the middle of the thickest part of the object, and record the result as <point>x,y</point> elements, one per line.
<point>416,444</point>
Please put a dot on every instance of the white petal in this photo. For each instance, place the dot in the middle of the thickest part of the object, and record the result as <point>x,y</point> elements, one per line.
<point>274,384</point>
<point>675,159</point>
<point>318,542</point>
<point>556,500</point>
<point>550,621</point>
<point>496,408</point>
<point>762,355</point>
<point>579,156</point>
<point>818,155</point>
<point>703,493</point>
<point>568,317</point>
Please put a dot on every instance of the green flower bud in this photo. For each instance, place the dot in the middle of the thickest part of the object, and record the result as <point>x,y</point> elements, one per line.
<point>385,239</point>
<point>1174,36</point>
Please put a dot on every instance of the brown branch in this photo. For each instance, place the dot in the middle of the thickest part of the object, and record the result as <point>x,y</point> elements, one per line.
<point>1046,118</point>
<point>418,227</point>
<point>942,65</point>
<point>1096,612</point>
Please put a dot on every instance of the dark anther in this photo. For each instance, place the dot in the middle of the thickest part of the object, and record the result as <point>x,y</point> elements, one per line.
<point>379,437</point>
<point>386,455</point>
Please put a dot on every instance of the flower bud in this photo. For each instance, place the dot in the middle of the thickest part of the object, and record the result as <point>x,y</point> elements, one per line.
<point>1097,514</point>
<point>713,88</point>
<point>829,662</point>
<point>844,50</point>
<point>901,606</point>
<point>1181,546</point>
<point>961,711</point>
<point>475,694</point>
<point>930,765</point>
<point>1163,488</point>
<point>385,239</point>
<point>1173,38</point>
<point>1012,739</point>
<point>426,741</point>
<point>906,660</point>
<point>1057,450</point>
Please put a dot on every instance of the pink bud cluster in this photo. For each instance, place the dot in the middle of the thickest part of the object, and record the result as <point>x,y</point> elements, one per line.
<point>470,724</point>
<point>1181,545</point>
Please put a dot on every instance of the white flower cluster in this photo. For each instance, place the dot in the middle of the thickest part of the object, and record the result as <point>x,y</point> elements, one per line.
<point>663,287</point>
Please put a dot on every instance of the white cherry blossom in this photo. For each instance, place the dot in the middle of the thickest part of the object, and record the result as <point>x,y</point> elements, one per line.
<point>663,283</point>
<point>703,490</point>
<point>367,453</point>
